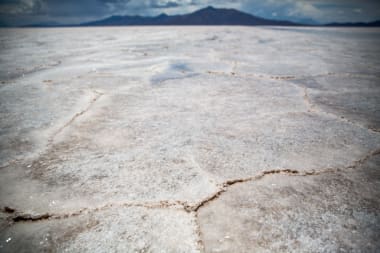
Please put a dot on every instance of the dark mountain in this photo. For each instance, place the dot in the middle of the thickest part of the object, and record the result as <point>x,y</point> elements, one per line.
<point>359,24</point>
<point>206,16</point>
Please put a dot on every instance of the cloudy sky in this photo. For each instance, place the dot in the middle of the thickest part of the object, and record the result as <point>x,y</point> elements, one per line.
<point>19,12</point>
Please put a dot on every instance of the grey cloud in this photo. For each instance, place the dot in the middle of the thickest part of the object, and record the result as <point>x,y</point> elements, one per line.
<point>169,4</point>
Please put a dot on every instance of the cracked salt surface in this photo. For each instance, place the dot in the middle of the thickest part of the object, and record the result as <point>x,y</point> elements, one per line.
<point>147,140</point>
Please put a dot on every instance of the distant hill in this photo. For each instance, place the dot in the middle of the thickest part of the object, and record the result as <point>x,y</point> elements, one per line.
<point>2,24</point>
<point>359,24</point>
<point>206,16</point>
<point>46,24</point>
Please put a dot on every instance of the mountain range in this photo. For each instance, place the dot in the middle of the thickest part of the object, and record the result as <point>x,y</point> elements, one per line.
<point>206,16</point>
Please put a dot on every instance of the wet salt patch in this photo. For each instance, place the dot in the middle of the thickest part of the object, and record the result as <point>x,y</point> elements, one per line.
<point>171,76</point>
<point>172,71</point>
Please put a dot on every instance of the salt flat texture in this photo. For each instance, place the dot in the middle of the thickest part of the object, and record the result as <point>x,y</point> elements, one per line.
<point>190,139</point>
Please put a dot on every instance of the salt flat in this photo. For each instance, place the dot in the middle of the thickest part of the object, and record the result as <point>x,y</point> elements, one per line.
<point>190,139</point>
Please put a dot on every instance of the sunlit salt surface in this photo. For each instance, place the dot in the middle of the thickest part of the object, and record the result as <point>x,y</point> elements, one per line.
<point>184,139</point>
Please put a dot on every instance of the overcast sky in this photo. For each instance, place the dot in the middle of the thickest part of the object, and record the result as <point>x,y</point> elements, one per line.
<point>19,12</point>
